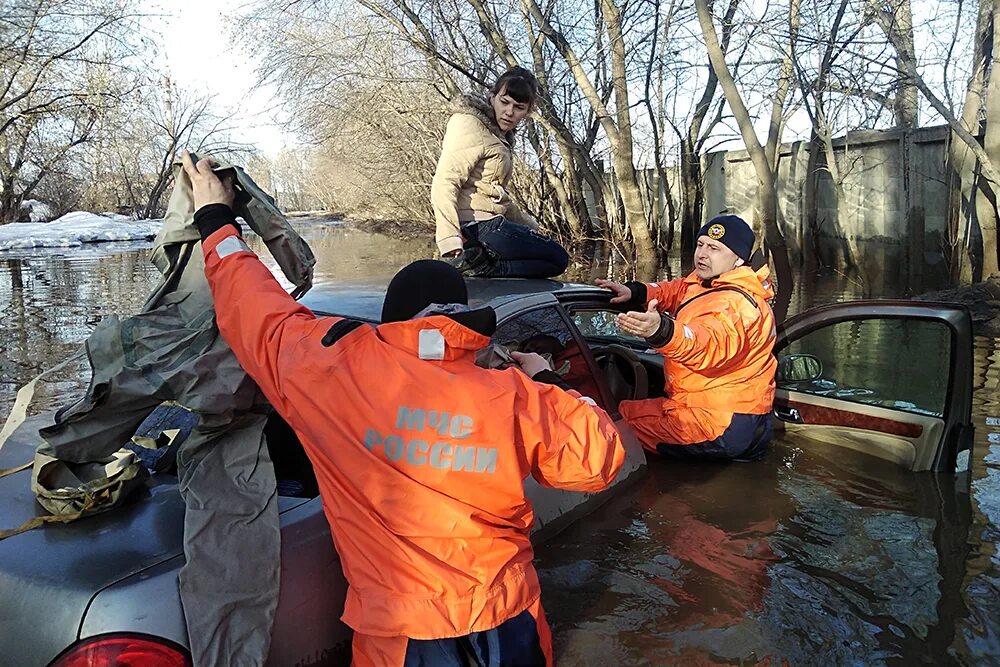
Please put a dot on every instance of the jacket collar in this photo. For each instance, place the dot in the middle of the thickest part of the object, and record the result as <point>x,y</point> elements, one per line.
<point>481,109</point>
<point>437,337</point>
<point>757,282</point>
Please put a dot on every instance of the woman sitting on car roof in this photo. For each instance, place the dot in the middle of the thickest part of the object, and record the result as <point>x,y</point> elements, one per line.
<point>480,230</point>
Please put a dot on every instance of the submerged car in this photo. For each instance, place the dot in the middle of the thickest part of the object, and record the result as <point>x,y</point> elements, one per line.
<point>890,378</point>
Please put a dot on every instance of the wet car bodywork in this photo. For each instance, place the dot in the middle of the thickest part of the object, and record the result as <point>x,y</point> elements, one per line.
<point>65,585</point>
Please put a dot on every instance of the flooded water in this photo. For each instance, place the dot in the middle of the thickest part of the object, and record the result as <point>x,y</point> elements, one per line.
<point>814,556</point>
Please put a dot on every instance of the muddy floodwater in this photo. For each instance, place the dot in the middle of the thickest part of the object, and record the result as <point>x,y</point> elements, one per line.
<point>815,556</point>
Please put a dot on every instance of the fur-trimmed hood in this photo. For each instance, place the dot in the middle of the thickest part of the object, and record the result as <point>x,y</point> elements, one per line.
<point>483,110</point>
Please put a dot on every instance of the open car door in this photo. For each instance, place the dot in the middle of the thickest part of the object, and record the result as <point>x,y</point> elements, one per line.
<point>892,379</point>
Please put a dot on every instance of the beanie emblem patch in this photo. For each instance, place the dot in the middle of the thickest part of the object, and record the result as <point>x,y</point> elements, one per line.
<point>716,232</point>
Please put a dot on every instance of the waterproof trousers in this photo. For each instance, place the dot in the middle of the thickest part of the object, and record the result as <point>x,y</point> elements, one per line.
<point>172,350</point>
<point>682,432</point>
<point>522,641</point>
<point>514,250</point>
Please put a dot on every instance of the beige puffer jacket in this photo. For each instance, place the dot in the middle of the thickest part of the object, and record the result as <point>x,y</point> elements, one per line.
<point>472,174</point>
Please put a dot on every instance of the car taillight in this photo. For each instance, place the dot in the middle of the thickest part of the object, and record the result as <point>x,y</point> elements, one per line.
<point>124,651</point>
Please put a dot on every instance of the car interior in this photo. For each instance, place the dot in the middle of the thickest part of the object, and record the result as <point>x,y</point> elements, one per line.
<point>292,468</point>
<point>631,374</point>
<point>633,371</point>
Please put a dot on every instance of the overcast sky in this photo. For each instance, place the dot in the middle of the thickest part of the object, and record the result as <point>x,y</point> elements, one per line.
<point>196,50</point>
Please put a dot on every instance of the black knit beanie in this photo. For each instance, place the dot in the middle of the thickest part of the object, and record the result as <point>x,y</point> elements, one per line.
<point>420,284</point>
<point>733,232</point>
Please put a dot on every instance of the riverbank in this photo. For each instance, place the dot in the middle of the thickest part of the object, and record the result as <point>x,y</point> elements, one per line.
<point>982,300</point>
<point>407,230</point>
<point>75,229</point>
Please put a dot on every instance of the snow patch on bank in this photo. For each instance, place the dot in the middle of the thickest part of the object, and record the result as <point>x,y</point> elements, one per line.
<point>37,211</point>
<point>74,229</point>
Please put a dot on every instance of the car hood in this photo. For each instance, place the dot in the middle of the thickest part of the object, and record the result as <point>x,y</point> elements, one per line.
<point>49,575</point>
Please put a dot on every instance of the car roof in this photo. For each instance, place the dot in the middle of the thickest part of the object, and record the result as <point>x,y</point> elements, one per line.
<point>364,301</point>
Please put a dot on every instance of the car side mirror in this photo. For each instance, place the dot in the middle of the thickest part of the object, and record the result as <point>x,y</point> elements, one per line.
<point>798,368</point>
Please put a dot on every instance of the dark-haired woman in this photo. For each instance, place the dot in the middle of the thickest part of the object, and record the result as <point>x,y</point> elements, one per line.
<point>480,229</point>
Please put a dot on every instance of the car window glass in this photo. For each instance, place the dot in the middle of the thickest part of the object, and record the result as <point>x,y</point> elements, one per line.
<point>545,331</point>
<point>601,323</point>
<point>902,364</point>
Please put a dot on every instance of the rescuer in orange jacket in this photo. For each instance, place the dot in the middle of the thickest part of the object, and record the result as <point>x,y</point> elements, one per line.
<point>716,332</point>
<point>420,455</point>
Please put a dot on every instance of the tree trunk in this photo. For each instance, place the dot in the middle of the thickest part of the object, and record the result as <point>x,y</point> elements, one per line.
<point>692,195</point>
<point>646,257</point>
<point>692,179</point>
<point>811,261</point>
<point>905,107</point>
<point>822,154</point>
<point>986,207</point>
<point>568,189</point>
<point>10,206</point>
<point>962,161</point>
<point>767,196</point>
<point>569,212</point>
<point>840,222</point>
<point>573,156</point>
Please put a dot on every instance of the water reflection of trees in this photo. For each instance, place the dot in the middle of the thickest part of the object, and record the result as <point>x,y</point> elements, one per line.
<point>51,304</point>
<point>812,557</point>
<point>978,633</point>
<point>51,300</point>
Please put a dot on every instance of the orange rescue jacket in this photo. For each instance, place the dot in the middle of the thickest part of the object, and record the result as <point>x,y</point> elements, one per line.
<point>420,461</point>
<point>719,356</point>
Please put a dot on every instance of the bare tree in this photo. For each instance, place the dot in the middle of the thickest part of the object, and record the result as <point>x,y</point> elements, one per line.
<point>129,168</point>
<point>707,115</point>
<point>817,85</point>
<point>627,98</point>
<point>974,164</point>
<point>968,208</point>
<point>548,133</point>
<point>177,119</point>
<point>586,117</point>
<point>62,65</point>
<point>895,18</point>
<point>763,157</point>
<point>617,126</point>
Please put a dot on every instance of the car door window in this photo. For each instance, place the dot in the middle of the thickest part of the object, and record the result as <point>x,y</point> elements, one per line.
<point>546,332</point>
<point>601,323</point>
<point>900,364</point>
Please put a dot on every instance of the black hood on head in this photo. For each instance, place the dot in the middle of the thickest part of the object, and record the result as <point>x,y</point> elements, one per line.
<point>428,281</point>
<point>420,284</point>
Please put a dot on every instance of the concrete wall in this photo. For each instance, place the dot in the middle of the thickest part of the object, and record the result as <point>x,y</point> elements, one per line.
<point>895,201</point>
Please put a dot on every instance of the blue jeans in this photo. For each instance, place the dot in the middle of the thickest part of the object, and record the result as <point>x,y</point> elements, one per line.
<point>745,439</point>
<point>515,643</point>
<point>514,251</point>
